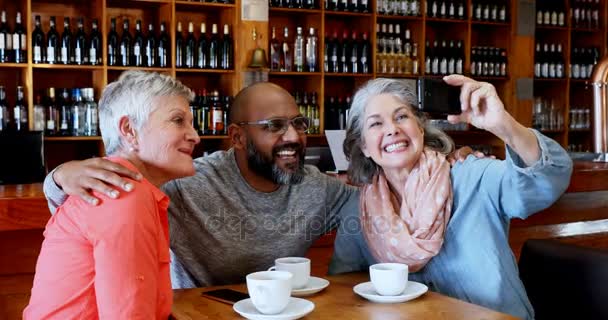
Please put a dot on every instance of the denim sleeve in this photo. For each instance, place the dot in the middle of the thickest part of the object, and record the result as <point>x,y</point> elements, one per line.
<point>350,249</point>
<point>54,195</point>
<point>519,190</point>
<point>180,277</point>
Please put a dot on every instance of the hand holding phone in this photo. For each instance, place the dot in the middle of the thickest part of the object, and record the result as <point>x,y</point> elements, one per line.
<point>438,98</point>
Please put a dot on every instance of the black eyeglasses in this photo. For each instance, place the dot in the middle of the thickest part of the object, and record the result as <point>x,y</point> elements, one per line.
<point>280,125</point>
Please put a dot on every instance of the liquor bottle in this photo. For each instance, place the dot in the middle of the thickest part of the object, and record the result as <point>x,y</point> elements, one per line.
<point>227,105</point>
<point>537,61</point>
<point>331,114</point>
<point>460,57</point>
<point>202,48</point>
<point>113,54</point>
<point>138,46</point>
<point>39,114</point>
<point>326,55</point>
<point>78,113</point>
<point>195,109</point>
<point>150,51</point>
<point>80,43</point>
<point>559,62</point>
<point>353,6</point>
<point>38,44</point>
<point>354,61</point>
<point>415,62</point>
<point>503,63</point>
<point>217,114</point>
<point>205,123</point>
<point>544,67</point>
<point>164,46</point>
<point>179,47</point>
<point>20,111</point>
<point>95,44</point>
<point>451,58</point>
<point>287,54</point>
<point>4,112</point>
<point>316,121</point>
<point>364,6</point>
<point>226,50</point>
<point>344,53</point>
<point>334,47</point>
<point>126,45</point>
<point>435,57</point>
<point>19,41</point>
<point>52,113</point>
<point>66,43</point>
<point>190,47</point>
<point>275,52</point>
<point>428,60</point>
<point>365,54</point>
<point>91,113</point>
<point>65,116</point>
<point>214,48</point>
<point>298,51</point>
<point>6,40</point>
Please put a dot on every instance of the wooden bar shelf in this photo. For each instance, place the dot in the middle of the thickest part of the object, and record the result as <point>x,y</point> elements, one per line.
<point>66,66</point>
<point>348,75</point>
<point>294,11</point>
<point>395,17</point>
<point>447,20</point>
<point>193,70</point>
<point>13,65</point>
<point>293,74</point>
<point>117,68</point>
<point>556,28</point>
<point>347,14</point>
<point>204,4</point>
<point>397,75</point>
<point>490,24</point>
<point>94,138</point>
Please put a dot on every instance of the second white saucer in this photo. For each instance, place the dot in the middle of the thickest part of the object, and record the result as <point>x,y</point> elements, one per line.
<point>412,291</point>
<point>313,286</point>
<point>296,308</point>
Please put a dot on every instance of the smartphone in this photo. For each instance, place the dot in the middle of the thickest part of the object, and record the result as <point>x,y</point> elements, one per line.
<point>228,296</point>
<point>437,97</point>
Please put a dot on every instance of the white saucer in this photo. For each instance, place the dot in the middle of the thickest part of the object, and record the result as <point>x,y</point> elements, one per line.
<point>313,286</point>
<point>412,291</point>
<point>296,308</point>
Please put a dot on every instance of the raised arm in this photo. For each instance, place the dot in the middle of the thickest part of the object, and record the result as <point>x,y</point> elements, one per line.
<point>80,178</point>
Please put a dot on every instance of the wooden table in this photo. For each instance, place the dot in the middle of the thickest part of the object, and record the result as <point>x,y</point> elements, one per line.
<point>338,301</point>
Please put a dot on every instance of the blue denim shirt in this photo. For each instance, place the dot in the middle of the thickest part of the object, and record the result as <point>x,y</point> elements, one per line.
<point>476,263</point>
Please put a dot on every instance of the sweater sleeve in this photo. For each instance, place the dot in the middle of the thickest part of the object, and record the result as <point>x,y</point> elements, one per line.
<point>54,195</point>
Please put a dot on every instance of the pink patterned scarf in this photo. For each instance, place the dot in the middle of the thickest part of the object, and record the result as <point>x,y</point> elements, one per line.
<point>411,232</point>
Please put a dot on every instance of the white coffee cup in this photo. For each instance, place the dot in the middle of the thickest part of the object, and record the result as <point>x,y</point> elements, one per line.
<point>298,266</point>
<point>269,290</point>
<point>389,279</point>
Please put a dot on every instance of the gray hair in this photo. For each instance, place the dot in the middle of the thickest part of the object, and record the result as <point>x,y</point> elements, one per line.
<point>133,95</point>
<point>362,169</point>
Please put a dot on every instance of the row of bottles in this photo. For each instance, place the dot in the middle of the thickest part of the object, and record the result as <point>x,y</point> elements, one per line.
<point>582,61</point>
<point>489,10</point>
<point>448,9</point>
<point>13,44</point>
<point>67,48</point>
<point>580,118</point>
<point>549,61</point>
<point>73,112</point>
<point>296,4</point>
<point>308,106</point>
<point>489,62</point>
<point>138,50</point>
<point>13,117</point>
<point>396,55</point>
<point>347,55</point>
<point>205,52</point>
<point>585,14</point>
<point>336,112</point>
<point>577,148</point>
<point>444,60</point>
<point>347,5</point>
<point>210,112</point>
<point>398,7</point>
<point>549,14</point>
<point>300,55</point>
<point>547,116</point>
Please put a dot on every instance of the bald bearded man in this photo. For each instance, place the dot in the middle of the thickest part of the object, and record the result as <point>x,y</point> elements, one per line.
<point>246,206</point>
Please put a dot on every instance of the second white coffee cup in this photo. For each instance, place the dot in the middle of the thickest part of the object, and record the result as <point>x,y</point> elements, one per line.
<point>298,266</point>
<point>389,279</point>
<point>269,290</point>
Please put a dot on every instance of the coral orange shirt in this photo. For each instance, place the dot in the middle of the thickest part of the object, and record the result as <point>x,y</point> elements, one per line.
<point>109,261</point>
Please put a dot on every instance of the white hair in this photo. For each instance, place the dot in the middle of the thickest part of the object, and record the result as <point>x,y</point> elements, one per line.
<point>133,95</point>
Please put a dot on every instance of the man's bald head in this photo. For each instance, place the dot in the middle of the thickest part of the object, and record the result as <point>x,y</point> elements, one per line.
<point>239,111</point>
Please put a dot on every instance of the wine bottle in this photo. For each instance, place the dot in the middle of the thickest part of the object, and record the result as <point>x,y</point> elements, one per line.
<point>190,47</point>
<point>38,42</point>
<point>138,46</point>
<point>6,39</point>
<point>179,47</point>
<point>226,49</point>
<point>95,44</point>
<point>80,43</point>
<point>150,52</point>
<point>214,48</point>
<point>19,41</point>
<point>126,41</point>
<point>202,48</point>
<point>113,54</point>
<point>164,46</point>
<point>66,43</point>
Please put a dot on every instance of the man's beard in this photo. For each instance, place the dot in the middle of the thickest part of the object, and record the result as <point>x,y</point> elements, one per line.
<point>268,169</point>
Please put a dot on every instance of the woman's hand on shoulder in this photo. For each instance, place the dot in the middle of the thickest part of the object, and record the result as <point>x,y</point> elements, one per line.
<point>480,104</point>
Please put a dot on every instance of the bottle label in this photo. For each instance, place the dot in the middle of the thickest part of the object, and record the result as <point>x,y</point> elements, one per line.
<point>37,54</point>
<point>461,11</point>
<point>64,125</point>
<point>50,125</point>
<point>23,42</point>
<point>78,55</point>
<point>93,55</point>
<point>123,51</point>
<point>560,19</point>
<point>2,41</point>
<point>137,50</point>
<point>502,15</point>
<point>64,54</point>
<point>414,8</point>
<point>50,54</point>
<point>459,66</point>
<point>539,17</point>
<point>316,122</point>
<point>537,72</point>
<point>16,38</point>
<point>9,42</point>
<point>218,117</point>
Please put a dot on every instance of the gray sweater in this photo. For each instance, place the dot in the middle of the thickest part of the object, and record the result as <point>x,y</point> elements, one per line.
<point>221,228</point>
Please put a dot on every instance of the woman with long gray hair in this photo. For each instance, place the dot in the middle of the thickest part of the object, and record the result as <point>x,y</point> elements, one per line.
<point>449,224</point>
<point>111,260</point>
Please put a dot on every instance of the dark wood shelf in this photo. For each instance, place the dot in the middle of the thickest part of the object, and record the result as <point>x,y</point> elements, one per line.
<point>117,68</point>
<point>294,11</point>
<point>351,75</point>
<point>194,70</point>
<point>487,78</point>
<point>347,14</point>
<point>13,65</point>
<point>545,27</point>
<point>490,23</point>
<point>204,4</point>
<point>586,30</point>
<point>66,66</point>
<point>95,138</point>
<point>396,17</point>
<point>551,79</point>
<point>397,75</point>
<point>136,3</point>
<point>581,80</point>
<point>447,20</point>
<point>293,74</point>
<point>580,131</point>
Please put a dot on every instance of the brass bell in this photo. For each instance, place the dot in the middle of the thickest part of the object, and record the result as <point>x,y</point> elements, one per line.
<point>258,59</point>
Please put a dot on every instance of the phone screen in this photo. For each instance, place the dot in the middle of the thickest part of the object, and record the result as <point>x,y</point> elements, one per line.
<point>225,295</point>
<point>437,97</point>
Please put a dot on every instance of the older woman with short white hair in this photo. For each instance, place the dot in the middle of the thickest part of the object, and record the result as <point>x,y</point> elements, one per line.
<point>112,260</point>
<point>450,225</point>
